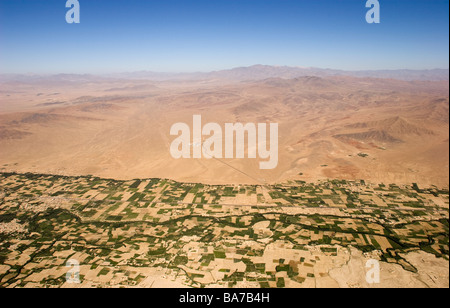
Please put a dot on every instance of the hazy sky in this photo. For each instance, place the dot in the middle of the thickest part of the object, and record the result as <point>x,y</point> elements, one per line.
<point>204,35</point>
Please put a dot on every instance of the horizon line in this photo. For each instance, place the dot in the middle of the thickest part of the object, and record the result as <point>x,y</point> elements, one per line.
<point>222,70</point>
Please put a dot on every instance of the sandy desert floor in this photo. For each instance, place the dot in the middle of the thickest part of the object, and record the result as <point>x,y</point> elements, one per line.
<point>379,130</point>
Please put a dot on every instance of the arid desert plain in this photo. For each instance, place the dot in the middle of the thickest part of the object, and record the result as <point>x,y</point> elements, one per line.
<point>380,130</point>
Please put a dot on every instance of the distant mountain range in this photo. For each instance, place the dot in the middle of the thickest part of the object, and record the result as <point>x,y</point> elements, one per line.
<point>260,72</point>
<point>256,72</point>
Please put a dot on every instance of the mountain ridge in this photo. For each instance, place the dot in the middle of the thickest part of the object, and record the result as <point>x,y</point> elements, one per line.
<point>249,73</point>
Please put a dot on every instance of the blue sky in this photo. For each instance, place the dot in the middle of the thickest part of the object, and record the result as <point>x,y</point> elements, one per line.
<point>205,35</point>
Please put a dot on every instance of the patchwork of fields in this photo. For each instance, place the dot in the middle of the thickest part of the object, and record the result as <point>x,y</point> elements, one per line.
<point>162,233</point>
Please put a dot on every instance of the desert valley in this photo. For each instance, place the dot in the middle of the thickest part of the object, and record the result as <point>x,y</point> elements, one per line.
<point>340,127</point>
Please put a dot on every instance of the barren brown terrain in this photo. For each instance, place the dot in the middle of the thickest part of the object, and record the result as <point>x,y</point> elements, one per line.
<point>379,130</point>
